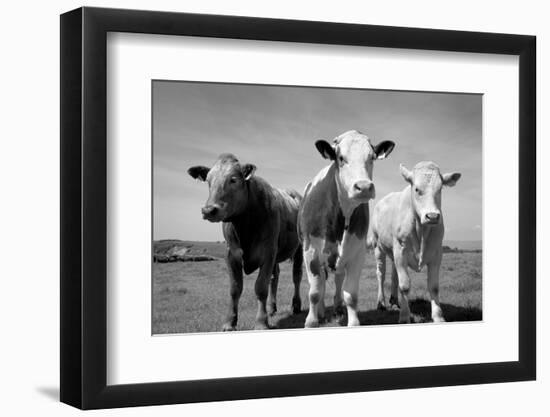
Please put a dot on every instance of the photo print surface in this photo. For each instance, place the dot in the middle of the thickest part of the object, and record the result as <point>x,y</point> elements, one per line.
<point>288,207</point>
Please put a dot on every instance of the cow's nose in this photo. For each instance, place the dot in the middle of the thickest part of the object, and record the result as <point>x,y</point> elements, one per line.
<point>209,211</point>
<point>363,186</point>
<point>432,217</point>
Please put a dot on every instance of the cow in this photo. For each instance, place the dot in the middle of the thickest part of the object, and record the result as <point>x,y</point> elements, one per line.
<point>259,226</point>
<point>408,227</point>
<point>334,218</point>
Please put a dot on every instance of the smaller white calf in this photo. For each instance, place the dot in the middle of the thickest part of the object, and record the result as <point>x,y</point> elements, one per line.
<point>408,227</point>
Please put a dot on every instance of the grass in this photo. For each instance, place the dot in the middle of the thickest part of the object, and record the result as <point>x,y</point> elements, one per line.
<point>190,297</point>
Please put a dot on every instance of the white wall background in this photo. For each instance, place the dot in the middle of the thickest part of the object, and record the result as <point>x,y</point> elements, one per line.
<point>29,170</point>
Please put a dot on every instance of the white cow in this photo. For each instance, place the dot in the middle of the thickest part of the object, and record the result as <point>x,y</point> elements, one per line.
<point>408,227</point>
<point>333,221</point>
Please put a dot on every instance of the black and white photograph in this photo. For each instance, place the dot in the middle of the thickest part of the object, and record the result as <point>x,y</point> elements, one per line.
<point>289,207</point>
<point>277,209</point>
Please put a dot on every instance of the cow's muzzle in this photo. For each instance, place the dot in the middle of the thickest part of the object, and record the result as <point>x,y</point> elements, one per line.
<point>432,218</point>
<point>363,190</point>
<point>211,213</point>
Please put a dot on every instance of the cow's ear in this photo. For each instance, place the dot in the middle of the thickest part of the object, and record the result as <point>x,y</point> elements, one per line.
<point>326,149</point>
<point>383,149</point>
<point>406,174</point>
<point>451,178</point>
<point>198,172</point>
<point>248,170</point>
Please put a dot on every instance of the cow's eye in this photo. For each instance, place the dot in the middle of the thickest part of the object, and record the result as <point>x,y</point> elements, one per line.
<point>342,160</point>
<point>233,180</point>
<point>418,191</point>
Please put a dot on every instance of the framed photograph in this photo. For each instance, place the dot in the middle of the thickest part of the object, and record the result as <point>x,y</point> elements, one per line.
<point>259,208</point>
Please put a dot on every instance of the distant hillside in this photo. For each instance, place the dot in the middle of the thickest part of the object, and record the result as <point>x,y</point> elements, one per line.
<point>464,244</point>
<point>168,250</point>
<point>171,247</point>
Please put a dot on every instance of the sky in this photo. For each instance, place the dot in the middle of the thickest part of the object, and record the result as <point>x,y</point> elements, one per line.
<point>275,128</point>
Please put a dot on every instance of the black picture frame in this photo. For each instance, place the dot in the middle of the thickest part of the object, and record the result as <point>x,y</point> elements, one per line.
<point>84,207</point>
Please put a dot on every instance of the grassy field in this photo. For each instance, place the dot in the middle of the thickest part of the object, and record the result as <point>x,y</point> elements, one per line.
<point>191,297</point>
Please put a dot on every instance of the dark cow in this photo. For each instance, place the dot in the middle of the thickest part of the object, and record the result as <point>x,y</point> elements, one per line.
<point>334,219</point>
<point>259,226</point>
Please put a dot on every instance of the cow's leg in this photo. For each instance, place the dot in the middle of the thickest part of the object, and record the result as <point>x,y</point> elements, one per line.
<point>380,257</point>
<point>262,289</point>
<point>322,287</point>
<point>339,276</point>
<point>404,283</point>
<point>433,288</point>
<point>235,266</point>
<point>394,303</point>
<point>315,276</point>
<point>351,288</point>
<point>297,263</point>
<point>272,299</point>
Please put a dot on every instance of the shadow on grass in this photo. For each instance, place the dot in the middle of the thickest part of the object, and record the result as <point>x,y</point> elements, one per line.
<point>291,321</point>
<point>420,309</point>
<point>297,321</point>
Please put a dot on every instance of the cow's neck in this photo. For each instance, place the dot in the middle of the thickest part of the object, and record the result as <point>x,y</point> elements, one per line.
<point>347,205</point>
<point>251,213</point>
<point>420,235</point>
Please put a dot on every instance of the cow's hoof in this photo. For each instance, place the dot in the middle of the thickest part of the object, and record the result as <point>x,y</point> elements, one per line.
<point>353,323</point>
<point>296,306</point>
<point>311,323</point>
<point>272,309</point>
<point>340,315</point>
<point>394,307</point>
<point>339,310</point>
<point>228,327</point>
<point>261,326</point>
<point>381,306</point>
<point>439,319</point>
<point>404,320</point>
